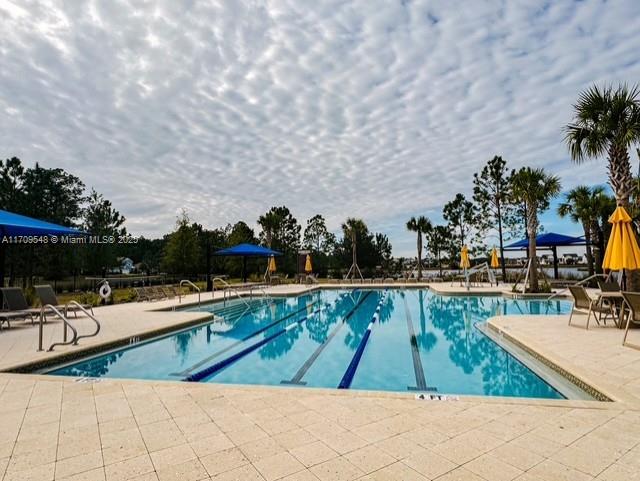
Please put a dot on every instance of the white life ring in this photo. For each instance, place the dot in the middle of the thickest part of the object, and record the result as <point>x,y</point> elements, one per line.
<point>105,291</point>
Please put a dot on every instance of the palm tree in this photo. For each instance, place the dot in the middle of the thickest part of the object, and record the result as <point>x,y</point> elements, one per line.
<point>581,205</point>
<point>421,225</point>
<point>607,121</point>
<point>536,188</point>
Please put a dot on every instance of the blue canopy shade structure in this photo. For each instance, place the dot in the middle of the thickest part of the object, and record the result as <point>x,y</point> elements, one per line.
<point>20,225</point>
<point>551,241</point>
<point>247,250</point>
<point>12,224</point>
<point>244,251</point>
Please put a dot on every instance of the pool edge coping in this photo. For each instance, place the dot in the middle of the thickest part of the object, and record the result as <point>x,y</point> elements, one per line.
<point>606,394</point>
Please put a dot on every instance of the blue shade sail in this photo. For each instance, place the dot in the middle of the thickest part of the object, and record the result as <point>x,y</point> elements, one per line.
<point>247,250</point>
<point>549,239</point>
<point>20,225</point>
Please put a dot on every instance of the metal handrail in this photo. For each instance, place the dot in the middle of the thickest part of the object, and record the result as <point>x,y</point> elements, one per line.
<point>188,282</point>
<point>579,283</point>
<point>224,292</point>
<point>88,314</point>
<point>67,324</point>
<point>264,293</point>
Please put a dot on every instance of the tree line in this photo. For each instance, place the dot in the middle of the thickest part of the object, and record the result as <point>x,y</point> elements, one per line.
<point>57,196</point>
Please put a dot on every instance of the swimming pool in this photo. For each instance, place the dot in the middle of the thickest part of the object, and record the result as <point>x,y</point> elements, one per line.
<point>374,339</point>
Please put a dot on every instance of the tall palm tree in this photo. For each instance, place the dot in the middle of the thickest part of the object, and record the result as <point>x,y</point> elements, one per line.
<point>607,121</point>
<point>581,205</point>
<point>421,225</point>
<point>536,188</point>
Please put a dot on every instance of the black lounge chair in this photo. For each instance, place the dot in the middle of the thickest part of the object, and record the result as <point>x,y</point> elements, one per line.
<point>141,294</point>
<point>16,305</point>
<point>47,296</point>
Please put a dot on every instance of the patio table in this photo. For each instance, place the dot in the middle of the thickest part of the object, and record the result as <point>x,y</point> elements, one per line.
<point>616,301</point>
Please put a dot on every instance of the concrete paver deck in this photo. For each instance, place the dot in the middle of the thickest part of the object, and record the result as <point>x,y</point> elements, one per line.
<point>55,428</point>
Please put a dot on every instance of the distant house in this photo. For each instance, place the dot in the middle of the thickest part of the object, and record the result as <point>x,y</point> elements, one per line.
<point>570,258</point>
<point>126,265</point>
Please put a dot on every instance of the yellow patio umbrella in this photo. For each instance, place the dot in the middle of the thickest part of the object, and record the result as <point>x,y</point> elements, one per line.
<point>307,264</point>
<point>495,262</point>
<point>622,249</point>
<point>465,263</point>
<point>272,264</point>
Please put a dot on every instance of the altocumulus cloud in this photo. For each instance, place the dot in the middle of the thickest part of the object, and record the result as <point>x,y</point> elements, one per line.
<point>377,109</point>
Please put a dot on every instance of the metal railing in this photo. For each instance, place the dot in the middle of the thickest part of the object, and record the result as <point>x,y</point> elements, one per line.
<point>189,283</point>
<point>227,287</point>
<point>579,283</point>
<point>77,306</point>
<point>66,325</point>
<point>265,296</point>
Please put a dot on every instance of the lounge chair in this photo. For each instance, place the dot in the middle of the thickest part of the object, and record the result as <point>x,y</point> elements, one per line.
<point>609,286</point>
<point>168,292</point>
<point>141,294</point>
<point>631,302</point>
<point>16,304</point>
<point>156,293</point>
<point>47,295</point>
<point>583,303</point>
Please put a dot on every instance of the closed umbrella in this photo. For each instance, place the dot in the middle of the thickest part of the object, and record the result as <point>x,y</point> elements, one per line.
<point>495,262</point>
<point>307,265</point>
<point>465,263</point>
<point>272,264</point>
<point>622,249</point>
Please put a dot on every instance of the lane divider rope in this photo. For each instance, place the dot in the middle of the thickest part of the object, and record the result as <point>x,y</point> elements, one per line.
<point>218,366</point>
<point>347,378</point>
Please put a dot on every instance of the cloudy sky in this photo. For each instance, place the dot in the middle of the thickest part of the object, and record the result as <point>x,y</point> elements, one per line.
<point>375,109</point>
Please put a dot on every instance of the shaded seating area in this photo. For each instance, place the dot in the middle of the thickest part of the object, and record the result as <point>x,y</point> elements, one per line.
<point>247,251</point>
<point>549,241</point>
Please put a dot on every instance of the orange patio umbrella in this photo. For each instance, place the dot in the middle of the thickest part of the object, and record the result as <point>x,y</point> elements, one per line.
<point>272,264</point>
<point>465,263</point>
<point>495,262</point>
<point>307,264</point>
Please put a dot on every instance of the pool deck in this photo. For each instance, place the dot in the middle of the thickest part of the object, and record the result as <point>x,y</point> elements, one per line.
<point>106,429</point>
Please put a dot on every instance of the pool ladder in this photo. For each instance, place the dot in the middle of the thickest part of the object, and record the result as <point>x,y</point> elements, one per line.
<point>190,284</point>
<point>228,287</point>
<point>66,325</point>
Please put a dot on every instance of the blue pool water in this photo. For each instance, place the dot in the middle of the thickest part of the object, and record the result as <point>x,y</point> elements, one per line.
<point>418,341</point>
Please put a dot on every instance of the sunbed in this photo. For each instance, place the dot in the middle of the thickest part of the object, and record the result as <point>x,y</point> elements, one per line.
<point>47,296</point>
<point>16,305</point>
